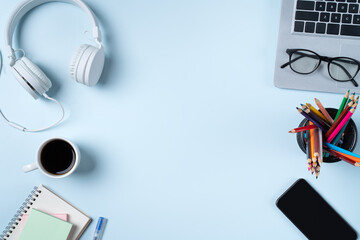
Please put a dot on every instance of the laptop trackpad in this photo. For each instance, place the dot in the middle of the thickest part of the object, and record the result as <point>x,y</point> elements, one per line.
<point>351,51</point>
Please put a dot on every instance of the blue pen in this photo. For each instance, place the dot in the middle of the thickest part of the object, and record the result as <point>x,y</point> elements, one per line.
<point>99,231</point>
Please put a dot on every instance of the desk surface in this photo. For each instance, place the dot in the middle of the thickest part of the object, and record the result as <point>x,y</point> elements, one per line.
<point>185,137</point>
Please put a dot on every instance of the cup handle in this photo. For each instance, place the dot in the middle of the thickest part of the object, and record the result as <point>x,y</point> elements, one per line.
<point>30,167</point>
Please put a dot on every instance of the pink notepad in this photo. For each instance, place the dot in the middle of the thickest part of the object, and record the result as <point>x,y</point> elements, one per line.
<point>62,216</point>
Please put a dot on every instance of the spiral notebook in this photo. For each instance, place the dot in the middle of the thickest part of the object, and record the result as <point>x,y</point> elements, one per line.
<point>46,201</point>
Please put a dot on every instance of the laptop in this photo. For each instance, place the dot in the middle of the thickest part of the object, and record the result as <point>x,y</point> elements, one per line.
<point>329,28</point>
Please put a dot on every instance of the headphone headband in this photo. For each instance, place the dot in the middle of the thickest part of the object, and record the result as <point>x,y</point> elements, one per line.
<point>28,5</point>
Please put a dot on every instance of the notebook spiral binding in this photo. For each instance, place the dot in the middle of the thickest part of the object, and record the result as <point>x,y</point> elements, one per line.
<point>22,210</point>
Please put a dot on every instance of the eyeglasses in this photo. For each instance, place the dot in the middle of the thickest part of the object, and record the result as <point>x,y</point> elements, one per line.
<point>341,69</point>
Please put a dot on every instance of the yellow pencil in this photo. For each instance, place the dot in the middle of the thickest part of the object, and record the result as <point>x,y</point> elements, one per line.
<point>317,113</point>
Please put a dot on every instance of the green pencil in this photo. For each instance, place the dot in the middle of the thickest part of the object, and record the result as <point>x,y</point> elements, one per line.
<point>338,136</point>
<point>341,108</point>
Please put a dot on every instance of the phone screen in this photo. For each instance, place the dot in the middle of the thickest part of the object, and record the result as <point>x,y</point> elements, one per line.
<point>312,215</point>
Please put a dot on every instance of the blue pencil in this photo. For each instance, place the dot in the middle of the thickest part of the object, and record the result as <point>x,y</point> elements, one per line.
<point>333,147</point>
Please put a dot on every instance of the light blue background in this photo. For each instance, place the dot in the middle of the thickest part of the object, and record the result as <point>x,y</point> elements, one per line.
<point>185,137</point>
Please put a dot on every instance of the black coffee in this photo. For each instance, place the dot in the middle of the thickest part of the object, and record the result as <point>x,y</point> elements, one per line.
<point>57,157</point>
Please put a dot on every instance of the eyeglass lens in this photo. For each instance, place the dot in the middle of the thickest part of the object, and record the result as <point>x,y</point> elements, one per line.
<point>343,69</point>
<point>304,62</point>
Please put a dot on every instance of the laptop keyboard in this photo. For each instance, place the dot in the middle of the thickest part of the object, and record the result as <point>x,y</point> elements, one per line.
<point>329,17</point>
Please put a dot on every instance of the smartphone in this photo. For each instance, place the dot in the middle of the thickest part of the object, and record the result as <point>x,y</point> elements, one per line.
<point>312,215</point>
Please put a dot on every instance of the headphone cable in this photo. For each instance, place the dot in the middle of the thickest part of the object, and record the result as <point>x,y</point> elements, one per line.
<point>24,129</point>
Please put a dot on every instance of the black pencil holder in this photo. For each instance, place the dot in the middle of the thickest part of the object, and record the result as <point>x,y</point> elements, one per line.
<point>349,139</point>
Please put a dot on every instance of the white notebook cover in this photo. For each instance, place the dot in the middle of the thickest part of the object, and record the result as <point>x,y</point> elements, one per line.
<point>45,200</point>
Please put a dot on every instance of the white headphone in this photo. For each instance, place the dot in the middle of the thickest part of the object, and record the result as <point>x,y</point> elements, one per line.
<point>85,67</point>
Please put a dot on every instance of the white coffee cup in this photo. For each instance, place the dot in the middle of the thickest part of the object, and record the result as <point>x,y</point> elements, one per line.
<point>56,158</point>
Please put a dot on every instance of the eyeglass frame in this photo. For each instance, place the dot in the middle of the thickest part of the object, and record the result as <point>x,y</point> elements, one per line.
<point>329,60</point>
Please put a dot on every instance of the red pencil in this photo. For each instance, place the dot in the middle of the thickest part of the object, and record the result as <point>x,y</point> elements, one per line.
<point>301,129</point>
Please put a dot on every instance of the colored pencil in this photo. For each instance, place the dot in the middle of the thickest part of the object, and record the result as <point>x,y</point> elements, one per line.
<point>323,111</point>
<point>312,169</point>
<point>355,159</point>
<point>339,135</point>
<point>320,133</point>
<point>342,157</point>
<point>352,97</point>
<point>303,106</point>
<point>354,106</point>
<point>316,112</point>
<point>312,144</point>
<point>308,164</point>
<point>314,162</point>
<point>311,119</point>
<point>316,142</point>
<point>341,150</point>
<point>341,124</point>
<point>342,105</point>
<point>317,171</point>
<point>308,148</point>
<point>338,120</point>
<point>318,119</point>
<point>301,129</point>
<point>336,140</point>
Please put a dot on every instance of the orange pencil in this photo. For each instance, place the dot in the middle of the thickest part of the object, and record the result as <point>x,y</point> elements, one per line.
<point>355,159</point>
<point>344,158</point>
<point>323,111</point>
<point>312,145</point>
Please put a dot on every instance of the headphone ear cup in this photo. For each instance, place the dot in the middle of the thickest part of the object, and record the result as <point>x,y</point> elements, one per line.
<point>38,74</point>
<point>30,76</point>
<point>75,61</point>
<point>87,64</point>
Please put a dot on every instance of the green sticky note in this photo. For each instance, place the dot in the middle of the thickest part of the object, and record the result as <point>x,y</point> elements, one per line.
<point>41,226</point>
